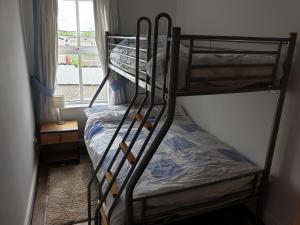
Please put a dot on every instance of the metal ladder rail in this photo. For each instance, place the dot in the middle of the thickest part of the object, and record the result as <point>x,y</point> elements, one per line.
<point>147,92</point>
<point>147,78</point>
<point>141,151</point>
<point>124,138</point>
<point>148,111</point>
<point>111,182</point>
<point>171,103</point>
<point>116,132</point>
<point>153,83</point>
<point>105,154</point>
<point>112,206</point>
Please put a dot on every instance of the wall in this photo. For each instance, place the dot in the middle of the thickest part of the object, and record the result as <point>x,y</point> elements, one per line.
<point>75,114</point>
<point>131,10</point>
<point>17,156</point>
<point>244,120</point>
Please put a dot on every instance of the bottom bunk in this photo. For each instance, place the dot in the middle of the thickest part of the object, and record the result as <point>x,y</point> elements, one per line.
<point>175,183</point>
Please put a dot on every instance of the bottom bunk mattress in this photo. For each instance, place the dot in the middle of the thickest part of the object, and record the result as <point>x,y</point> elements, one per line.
<point>188,157</point>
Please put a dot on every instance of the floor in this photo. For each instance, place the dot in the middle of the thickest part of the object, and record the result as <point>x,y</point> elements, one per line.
<point>40,201</point>
<point>237,215</point>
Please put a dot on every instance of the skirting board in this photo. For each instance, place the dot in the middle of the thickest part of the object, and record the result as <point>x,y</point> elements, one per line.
<point>30,203</point>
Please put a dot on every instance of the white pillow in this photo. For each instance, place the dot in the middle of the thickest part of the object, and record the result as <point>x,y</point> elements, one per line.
<point>106,111</point>
<point>109,113</point>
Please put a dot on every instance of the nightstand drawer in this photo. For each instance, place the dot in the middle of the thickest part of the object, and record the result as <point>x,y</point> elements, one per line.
<point>53,138</point>
<point>71,136</point>
<point>56,138</point>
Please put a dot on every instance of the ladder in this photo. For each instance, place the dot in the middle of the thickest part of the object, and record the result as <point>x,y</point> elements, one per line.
<point>138,162</point>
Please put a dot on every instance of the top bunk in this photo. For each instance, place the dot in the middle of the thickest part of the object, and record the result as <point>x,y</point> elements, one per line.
<point>202,64</point>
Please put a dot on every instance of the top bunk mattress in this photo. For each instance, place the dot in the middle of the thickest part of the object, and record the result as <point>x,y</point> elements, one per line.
<point>188,156</point>
<point>207,76</point>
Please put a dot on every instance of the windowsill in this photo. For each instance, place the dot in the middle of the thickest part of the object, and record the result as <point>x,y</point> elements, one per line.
<point>72,105</point>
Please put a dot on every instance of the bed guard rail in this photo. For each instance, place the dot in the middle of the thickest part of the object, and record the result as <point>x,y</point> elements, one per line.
<point>220,46</point>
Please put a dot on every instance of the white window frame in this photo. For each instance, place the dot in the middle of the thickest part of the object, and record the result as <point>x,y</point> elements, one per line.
<point>79,50</point>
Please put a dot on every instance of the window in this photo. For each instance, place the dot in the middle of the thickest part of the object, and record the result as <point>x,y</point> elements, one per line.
<point>78,72</point>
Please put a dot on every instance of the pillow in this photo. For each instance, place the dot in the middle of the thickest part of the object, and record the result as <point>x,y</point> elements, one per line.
<point>161,59</point>
<point>108,113</point>
<point>161,42</point>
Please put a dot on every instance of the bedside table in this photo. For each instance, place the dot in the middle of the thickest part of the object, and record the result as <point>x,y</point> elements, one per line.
<point>59,143</point>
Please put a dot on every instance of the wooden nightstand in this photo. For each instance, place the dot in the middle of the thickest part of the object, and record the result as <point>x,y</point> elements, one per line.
<point>59,143</point>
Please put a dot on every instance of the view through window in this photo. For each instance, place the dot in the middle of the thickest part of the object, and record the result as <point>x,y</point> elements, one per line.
<point>78,72</point>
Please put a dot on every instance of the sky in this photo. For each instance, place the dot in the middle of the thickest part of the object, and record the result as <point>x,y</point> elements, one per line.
<point>67,15</point>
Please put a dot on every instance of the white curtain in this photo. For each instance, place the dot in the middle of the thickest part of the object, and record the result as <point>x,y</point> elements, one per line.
<point>46,57</point>
<point>106,13</point>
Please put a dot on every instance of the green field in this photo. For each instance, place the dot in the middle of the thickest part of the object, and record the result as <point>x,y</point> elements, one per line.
<point>63,33</point>
<point>84,57</point>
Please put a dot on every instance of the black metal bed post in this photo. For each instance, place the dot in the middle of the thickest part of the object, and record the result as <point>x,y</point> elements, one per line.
<point>275,67</point>
<point>189,70</point>
<point>106,75</point>
<point>166,66</point>
<point>171,103</point>
<point>133,121</point>
<point>276,122</point>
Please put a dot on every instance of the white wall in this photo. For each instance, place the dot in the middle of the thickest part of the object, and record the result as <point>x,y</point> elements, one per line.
<point>75,114</point>
<point>17,156</point>
<point>131,10</point>
<point>244,120</point>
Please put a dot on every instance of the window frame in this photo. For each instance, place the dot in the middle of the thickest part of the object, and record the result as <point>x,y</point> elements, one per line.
<point>79,51</point>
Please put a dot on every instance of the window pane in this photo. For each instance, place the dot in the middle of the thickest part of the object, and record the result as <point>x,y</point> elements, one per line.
<point>92,77</point>
<point>87,24</point>
<point>82,59</point>
<point>68,77</point>
<point>67,35</point>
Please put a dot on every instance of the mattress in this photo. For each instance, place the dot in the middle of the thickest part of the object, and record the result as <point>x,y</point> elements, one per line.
<point>188,156</point>
<point>252,75</point>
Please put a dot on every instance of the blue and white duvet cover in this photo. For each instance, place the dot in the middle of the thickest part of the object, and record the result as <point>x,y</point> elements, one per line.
<point>188,156</point>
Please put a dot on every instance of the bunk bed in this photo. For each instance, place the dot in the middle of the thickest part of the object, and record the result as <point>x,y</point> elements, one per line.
<point>154,164</point>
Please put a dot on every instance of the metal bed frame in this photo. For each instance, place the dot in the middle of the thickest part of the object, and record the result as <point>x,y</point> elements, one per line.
<point>168,93</point>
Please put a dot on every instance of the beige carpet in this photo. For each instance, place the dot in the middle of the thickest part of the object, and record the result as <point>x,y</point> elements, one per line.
<point>67,194</point>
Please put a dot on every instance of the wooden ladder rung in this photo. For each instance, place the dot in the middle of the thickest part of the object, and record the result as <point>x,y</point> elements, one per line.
<point>147,124</point>
<point>114,189</point>
<point>130,157</point>
<point>103,215</point>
